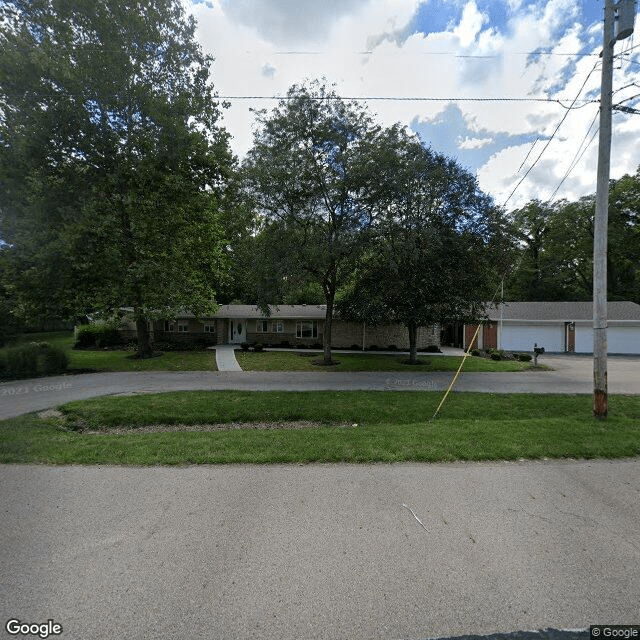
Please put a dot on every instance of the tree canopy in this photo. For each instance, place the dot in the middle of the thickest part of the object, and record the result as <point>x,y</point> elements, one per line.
<point>309,174</point>
<point>555,256</point>
<point>112,163</point>
<point>434,246</point>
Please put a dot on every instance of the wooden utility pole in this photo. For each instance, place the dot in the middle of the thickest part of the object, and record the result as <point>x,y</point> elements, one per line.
<point>600,401</point>
<point>626,9</point>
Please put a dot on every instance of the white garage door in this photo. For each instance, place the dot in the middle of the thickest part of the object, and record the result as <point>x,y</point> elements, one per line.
<point>623,340</point>
<point>619,339</point>
<point>584,339</point>
<point>523,337</point>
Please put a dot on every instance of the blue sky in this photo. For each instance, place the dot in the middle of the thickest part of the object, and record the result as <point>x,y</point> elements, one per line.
<point>459,56</point>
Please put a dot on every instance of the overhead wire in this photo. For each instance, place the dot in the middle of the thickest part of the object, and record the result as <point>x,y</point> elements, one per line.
<point>552,135</point>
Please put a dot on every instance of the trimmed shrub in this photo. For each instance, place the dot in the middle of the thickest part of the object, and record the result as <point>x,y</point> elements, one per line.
<point>21,361</point>
<point>495,355</point>
<point>392,347</point>
<point>32,360</point>
<point>372,347</point>
<point>475,352</point>
<point>524,357</point>
<point>245,346</point>
<point>258,348</point>
<point>355,347</point>
<point>432,348</point>
<point>54,360</point>
<point>97,335</point>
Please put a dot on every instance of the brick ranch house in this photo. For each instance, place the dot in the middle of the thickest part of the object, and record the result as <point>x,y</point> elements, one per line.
<point>556,326</point>
<point>293,325</point>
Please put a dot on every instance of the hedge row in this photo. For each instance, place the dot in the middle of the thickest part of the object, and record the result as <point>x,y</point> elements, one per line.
<point>97,335</point>
<point>32,360</point>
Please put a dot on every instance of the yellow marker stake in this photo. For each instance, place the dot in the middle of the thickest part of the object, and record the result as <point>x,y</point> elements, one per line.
<point>466,353</point>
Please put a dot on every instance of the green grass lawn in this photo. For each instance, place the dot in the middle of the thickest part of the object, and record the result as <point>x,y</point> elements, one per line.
<point>121,360</point>
<point>303,361</point>
<point>390,427</point>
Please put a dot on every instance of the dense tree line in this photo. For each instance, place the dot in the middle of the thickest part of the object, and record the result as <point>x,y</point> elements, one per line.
<point>553,259</point>
<point>118,189</point>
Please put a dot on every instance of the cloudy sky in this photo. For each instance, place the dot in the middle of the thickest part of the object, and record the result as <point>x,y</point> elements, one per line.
<point>452,52</point>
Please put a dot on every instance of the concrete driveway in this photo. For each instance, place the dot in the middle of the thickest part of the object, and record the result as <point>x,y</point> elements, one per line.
<point>571,374</point>
<point>320,551</point>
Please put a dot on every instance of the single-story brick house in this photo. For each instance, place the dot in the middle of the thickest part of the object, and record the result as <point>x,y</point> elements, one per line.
<point>296,325</point>
<point>556,326</point>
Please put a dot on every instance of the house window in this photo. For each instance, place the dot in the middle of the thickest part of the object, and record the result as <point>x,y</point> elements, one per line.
<point>209,328</point>
<point>278,327</point>
<point>169,326</point>
<point>262,326</point>
<point>307,329</point>
<point>182,327</point>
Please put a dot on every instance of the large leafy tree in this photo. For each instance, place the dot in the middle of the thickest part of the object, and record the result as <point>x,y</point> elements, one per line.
<point>112,164</point>
<point>435,246</point>
<point>308,175</point>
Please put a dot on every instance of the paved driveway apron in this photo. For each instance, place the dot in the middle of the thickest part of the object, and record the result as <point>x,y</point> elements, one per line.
<point>320,551</point>
<point>572,374</point>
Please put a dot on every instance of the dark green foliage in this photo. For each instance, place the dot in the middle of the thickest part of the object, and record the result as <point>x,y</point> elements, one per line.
<point>435,247</point>
<point>31,360</point>
<point>309,174</point>
<point>475,352</point>
<point>258,347</point>
<point>98,335</point>
<point>495,356</point>
<point>432,348</point>
<point>113,169</point>
<point>54,361</point>
<point>524,357</point>
<point>19,362</point>
<point>555,261</point>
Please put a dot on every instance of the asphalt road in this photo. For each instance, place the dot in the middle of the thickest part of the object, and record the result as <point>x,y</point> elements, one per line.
<point>571,374</point>
<point>320,551</point>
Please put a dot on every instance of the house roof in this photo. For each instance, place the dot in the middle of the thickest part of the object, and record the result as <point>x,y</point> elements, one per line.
<point>284,311</point>
<point>250,311</point>
<point>564,311</point>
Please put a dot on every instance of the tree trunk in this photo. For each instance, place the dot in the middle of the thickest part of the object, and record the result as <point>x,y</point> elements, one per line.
<point>328,319</point>
<point>413,338</point>
<point>144,337</point>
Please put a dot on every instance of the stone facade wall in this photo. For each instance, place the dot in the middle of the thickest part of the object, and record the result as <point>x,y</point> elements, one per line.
<point>346,334</point>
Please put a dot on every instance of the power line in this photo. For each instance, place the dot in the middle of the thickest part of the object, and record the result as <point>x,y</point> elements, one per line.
<point>546,146</point>
<point>411,99</point>
<point>576,158</point>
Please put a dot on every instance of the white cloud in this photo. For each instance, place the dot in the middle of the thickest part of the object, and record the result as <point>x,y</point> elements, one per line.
<point>262,47</point>
<point>473,143</point>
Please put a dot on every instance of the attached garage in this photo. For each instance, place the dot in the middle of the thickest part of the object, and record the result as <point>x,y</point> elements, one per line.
<point>517,337</point>
<point>560,327</point>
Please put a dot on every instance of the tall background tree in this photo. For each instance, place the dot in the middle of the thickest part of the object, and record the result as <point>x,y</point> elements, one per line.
<point>555,256</point>
<point>435,247</point>
<point>113,166</point>
<point>308,176</point>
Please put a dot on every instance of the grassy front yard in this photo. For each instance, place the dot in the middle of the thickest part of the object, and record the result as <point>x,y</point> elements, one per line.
<point>362,426</point>
<point>121,360</point>
<point>303,361</point>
